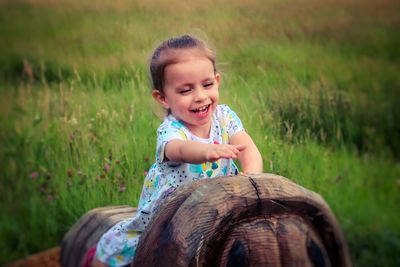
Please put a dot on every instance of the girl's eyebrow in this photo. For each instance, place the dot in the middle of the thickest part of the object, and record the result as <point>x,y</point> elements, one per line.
<point>183,85</point>
<point>208,79</point>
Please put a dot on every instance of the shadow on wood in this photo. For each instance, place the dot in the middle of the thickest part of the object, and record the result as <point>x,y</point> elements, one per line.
<point>245,220</point>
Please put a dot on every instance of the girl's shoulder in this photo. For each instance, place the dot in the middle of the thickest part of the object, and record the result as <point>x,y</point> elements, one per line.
<point>223,108</point>
<point>170,122</point>
<point>172,127</point>
<point>226,117</point>
<point>224,111</point>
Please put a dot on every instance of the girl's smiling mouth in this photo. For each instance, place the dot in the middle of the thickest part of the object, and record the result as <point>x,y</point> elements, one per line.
<point>201,111</point>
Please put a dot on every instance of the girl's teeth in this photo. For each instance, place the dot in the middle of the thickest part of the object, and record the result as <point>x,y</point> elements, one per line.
<point>202,109</point>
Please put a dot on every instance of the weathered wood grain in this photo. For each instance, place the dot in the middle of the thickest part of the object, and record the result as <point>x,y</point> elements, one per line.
<point>265,220</point>
<point>245,220</point>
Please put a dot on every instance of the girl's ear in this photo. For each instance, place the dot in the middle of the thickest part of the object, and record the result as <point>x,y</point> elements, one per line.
<point>160,98</point>
<point>218,78</point>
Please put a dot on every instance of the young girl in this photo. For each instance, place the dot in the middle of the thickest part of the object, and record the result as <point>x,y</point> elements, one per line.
<point>197,140</point>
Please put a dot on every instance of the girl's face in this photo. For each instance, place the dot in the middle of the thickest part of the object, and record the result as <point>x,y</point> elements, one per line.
<point>191,92</point>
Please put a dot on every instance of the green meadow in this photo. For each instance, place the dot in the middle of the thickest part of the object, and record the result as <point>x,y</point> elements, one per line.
<point>316,84</point>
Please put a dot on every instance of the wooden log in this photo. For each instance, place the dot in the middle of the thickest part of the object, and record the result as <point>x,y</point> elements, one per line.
<point>246,220</point>
<point>85,233</point>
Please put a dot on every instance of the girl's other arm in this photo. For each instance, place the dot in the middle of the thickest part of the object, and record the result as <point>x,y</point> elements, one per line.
<point>196,152</point>
<point>250,158</point>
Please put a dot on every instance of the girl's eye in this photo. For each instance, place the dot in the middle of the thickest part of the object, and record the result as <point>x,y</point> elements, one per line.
<point>184,91</point>
<point>208,85</point>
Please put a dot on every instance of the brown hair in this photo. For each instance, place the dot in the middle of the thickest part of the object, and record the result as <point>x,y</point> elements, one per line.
<point>168,53</point>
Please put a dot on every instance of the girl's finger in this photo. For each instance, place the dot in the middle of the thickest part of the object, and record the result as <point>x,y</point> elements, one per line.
<point>227,153</point>
<point>234,150</point>
<point>240,147</point>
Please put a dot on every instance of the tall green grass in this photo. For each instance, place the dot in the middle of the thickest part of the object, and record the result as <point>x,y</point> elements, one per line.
<point>316,85</point>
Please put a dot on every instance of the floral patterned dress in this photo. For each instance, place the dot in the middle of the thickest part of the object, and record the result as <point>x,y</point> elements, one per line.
<point>117,247</point>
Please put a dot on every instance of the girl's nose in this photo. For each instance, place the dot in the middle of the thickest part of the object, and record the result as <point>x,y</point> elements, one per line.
<point>200,95</point>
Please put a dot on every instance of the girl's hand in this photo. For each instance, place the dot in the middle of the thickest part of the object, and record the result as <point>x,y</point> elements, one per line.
<point>215,152</point>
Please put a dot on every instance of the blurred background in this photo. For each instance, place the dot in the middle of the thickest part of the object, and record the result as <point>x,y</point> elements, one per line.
<point>316,84</point>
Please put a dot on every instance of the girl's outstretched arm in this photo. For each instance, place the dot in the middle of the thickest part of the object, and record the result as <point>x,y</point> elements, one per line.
<point>250,158</point>
<point>196,152</point>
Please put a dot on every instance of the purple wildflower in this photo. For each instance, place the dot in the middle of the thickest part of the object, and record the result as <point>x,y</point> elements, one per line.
<point>34,175</point>
<point>106,167</point>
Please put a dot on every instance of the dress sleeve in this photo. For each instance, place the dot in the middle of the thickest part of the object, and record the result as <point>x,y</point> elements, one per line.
<point>233,123</point>
<point>165,133</point>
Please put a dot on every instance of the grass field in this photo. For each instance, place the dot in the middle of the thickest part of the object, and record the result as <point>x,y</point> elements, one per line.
<point>316,84</point>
